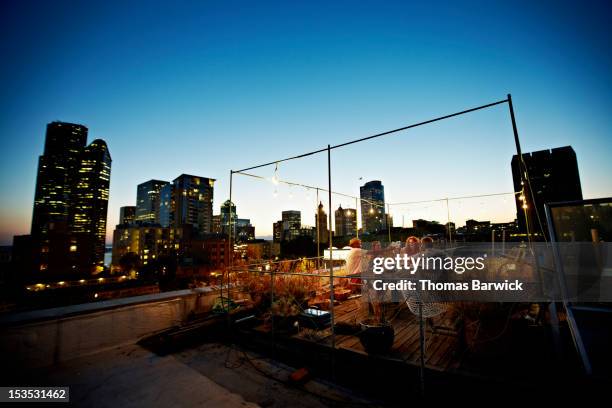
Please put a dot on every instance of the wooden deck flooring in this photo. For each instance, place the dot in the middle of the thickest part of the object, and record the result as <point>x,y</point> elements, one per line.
<point>441,346</point>
<point>501,350</point>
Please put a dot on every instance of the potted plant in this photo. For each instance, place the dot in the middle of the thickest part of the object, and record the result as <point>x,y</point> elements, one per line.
<point>291,295</point>
<point>281,298</point>
<point>377,333</point>
<point>283,312</point>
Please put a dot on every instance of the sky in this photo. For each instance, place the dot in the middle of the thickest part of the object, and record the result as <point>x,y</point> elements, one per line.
<point>205,87</point>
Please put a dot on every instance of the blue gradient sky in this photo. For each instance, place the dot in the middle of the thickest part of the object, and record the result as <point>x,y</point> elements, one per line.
<point>202,88</point>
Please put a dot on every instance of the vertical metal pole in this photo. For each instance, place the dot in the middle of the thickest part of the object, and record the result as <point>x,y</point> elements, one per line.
<point>450,235</point>
<point>493,242</point>
<point>318,238</point>
<point>331,262</point>
<point>356,219</point>
<point>272,308</point>
<point>231,250</point>
<point>527,186</point>
<point>422,347</point>
<point>389,221</point>
<point>514,129</point>
<point>519,153</point>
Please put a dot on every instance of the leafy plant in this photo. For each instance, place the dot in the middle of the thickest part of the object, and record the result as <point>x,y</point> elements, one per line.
<point>284,295</point>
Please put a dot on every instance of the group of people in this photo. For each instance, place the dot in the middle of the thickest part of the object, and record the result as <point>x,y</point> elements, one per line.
<point>357,255</point>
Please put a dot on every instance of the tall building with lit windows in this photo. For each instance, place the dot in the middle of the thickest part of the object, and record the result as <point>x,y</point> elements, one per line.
<point>241,228</point>
<point>292,222</point>
<point>148,196</point>
<point>89,202</point>
<point>193,202</point>
<point>58,168</point>
<point>277,231</point>
<point>70,204</point>
<point>127,214</point>
<point>166,205</point>
<point>346,222</point>
<point>187,200</point>
<point>228,215</point>
<point>373,217</point>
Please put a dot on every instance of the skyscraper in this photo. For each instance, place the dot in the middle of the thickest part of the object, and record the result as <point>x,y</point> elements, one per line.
<point>228,213</point>
<point>292,221</point>
<point>321,223</point>
<point>346,221</point>
<point>148,201</point>
<point>90,202</point>
<point>372,206</point>
<point>166,205</point>
<point>127,214</point>
<point>58,168</point>
<point>241,230</point>
<point>193,202</point>
<point>70,204</point>
<point>553,177</point>
<point>277,231</point>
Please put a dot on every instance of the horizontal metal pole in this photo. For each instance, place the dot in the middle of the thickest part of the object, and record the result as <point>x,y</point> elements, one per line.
<point>457,198</point>
<point>375,136</point>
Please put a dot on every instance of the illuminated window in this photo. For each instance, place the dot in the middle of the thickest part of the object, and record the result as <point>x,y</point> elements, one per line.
<point>73,248</point>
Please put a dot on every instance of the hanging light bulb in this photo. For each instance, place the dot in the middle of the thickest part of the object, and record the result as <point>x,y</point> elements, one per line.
<point>275,176</point>
<point>275,193</point>
<point>290,194</point>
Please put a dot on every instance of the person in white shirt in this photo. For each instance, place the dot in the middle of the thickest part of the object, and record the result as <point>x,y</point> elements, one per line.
<point>354,258</point>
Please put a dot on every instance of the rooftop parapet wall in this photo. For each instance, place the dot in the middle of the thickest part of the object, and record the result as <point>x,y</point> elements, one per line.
<point>44,338</point>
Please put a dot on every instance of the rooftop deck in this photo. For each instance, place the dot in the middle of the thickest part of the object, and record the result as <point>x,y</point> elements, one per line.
<point>501,351</point>
<point>94,351</point>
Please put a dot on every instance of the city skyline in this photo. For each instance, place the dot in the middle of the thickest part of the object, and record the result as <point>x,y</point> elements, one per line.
<point>237,99</point>
<point>373,190</point>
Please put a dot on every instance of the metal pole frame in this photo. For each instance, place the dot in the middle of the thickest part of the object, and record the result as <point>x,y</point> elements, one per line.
<point>519,153</point>
<point>448,222</point>
<point>231,250</point>
<point>421,349</point>
<point>356,218</point>
<point>523,176</point>
<point>388,221</point>
<point>318,233</point>
<point>331,257</point>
